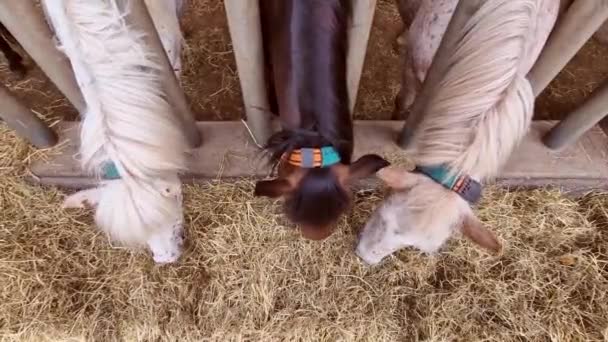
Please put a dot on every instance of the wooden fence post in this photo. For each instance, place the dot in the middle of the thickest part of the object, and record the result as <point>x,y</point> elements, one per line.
<point>27,25</point>
<point>139,16</point>
<point>579,121</point>
<point>246,33</point>
<point>27,125</point>
<point>578,24</point>
<point>463,12</point>
<point>574,29</point>
<point>358,37</point>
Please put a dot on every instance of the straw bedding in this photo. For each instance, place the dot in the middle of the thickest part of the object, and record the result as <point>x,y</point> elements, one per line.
<point>247,276</point>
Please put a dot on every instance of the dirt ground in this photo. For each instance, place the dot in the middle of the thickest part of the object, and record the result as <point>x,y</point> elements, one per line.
<point>210,77</point>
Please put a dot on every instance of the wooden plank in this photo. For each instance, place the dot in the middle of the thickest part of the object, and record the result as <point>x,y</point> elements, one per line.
<point>245,30</point>
<point>358,36</point>
<point>577,169</point>
<point>587,159</point>
<point>228,153</point>
<point>21,119</point>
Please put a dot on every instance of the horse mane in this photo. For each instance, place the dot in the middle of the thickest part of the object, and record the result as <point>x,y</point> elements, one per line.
<point>484,105</point>
<point>127,122</point>
<point>318,201</point>
<point>317,59</point>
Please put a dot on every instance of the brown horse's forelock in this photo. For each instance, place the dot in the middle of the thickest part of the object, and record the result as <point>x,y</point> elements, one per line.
<point>318,201</point>
<point>319,198</point>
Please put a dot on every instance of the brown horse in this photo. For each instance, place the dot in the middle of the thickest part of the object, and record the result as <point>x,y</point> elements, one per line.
<point>305,49</point>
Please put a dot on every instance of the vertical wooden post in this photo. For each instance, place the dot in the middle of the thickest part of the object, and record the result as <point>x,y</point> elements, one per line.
<point>27,125</point>
<point>594,109</point>
<point>358,37</point>
<point>140,18</point>
<point>464,10</point>
<point>578,24</point>
<point>26,23</point>
<point>246,33</point>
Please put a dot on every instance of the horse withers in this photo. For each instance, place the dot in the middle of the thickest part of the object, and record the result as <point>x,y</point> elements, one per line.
<point>305,44</point>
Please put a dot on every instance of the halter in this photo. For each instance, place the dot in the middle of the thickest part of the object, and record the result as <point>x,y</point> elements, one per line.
<point>110,171</point>
<point>465,186</point>
<point>309,158</point>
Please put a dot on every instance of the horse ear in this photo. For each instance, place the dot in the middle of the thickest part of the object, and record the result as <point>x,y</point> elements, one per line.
<point>272,188</point>
<point>474,229</point>
<point>398,178</point>
<point>366,166</point>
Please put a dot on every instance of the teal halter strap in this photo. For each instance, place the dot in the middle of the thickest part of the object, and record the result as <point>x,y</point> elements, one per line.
<point>110,171</point>
<point>465,186</point>
<point>329,156</point>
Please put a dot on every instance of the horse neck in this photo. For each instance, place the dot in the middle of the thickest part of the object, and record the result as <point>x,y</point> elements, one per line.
<point>483,105</point>
<point>308,58</point>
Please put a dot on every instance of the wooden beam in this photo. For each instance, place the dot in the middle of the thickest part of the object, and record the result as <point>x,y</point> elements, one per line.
<point>358,37</point>
<point>228,153</point>
<point>246,34</point>
<point>581,20</point>
<point>579,121</point>
<point>464,10</point>
<point>140,18</point>
<point>21,119</point>
<point>27,24</point>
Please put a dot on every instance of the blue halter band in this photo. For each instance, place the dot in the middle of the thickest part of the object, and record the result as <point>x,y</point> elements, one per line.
<point>110,171</point>
<point>465,186</point>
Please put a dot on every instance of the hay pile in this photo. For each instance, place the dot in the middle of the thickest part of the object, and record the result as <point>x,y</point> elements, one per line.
<point>245,276</point>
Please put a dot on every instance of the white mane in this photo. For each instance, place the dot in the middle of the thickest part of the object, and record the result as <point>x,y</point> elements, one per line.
<point>483,106</point>
<point>128,120</point>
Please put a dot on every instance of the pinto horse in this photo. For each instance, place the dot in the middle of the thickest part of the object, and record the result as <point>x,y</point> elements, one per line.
<point>305,44</point>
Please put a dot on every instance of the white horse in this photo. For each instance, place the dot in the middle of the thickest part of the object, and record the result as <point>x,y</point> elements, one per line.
<point>477,114</point>
<point>130,137</point>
